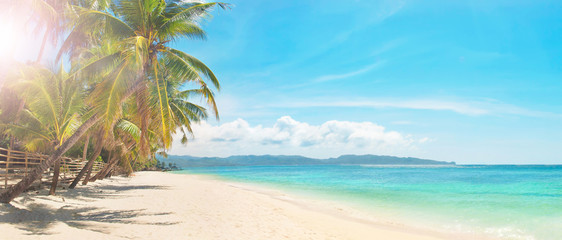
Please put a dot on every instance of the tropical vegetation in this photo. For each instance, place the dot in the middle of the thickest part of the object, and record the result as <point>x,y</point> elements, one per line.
<point>115,89</point>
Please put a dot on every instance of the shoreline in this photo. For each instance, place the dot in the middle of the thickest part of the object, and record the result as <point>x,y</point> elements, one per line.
<point>341,209</point>
<point>169,205</point>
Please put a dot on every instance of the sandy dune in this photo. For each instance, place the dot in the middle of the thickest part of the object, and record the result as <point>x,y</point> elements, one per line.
<point>155,205</point>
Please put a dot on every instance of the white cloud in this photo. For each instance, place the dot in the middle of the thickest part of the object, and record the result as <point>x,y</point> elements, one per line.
<point>288,136</point>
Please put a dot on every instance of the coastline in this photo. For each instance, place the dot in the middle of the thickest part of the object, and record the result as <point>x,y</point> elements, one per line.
<point>168,206</point>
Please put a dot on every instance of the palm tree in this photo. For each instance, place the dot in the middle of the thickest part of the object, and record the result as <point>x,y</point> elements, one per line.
<point>51,113</point>
<point>141,31</point>
<point>122,142</point>
<point>182,112</point>
<point>86,170</point>
<point>143,43</point>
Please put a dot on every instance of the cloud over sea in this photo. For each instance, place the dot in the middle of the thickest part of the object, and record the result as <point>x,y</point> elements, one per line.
<point>288,136</point>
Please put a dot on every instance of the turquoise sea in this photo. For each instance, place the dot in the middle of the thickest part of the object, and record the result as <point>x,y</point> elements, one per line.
<point>506,202</point>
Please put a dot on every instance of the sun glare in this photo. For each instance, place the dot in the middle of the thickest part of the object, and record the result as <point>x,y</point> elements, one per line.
<point>8,39</point>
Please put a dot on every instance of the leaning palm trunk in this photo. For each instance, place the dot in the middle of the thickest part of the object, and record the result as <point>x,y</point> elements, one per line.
<point>110,168</point>
<point>12,192</point>
<point>85,152</point>
<point>111,159</point>
<point>101,174</point>
<point>55,178</point>
<point>88,167</point>
<point>87,177</point>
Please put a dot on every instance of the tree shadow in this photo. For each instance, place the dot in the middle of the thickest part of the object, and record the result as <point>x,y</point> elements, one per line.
<point>39,219</point>
<point>106,191</point>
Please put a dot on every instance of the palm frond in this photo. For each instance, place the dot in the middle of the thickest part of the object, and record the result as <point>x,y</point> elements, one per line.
<point>114,26</point>
<point>108,95</point>
<point>190,13</point>
<point>164,108</point>
<point>187,66</point>
<point>129,128</point>
<point>175,30</point>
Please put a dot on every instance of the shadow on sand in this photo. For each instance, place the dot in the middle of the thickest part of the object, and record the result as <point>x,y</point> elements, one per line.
<point>38,218</point>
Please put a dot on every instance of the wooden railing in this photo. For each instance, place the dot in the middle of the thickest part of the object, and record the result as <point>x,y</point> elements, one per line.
<point>14,165</point>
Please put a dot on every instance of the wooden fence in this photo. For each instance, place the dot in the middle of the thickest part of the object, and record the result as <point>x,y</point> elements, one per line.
<point>14,165</point>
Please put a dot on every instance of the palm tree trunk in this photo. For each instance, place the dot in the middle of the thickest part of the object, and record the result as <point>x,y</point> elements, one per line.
<point>110,168</point>
<point>101,174</point>
<point>12,192</point>
<point>133,164</point>
<point>85,152</point>
<point>55,177</point>
<point>88,173</point>
<point>89,164</point>
<point>114,163</point>
<point>109,173</point>
<point>98,175</point>
<point>129,168</point>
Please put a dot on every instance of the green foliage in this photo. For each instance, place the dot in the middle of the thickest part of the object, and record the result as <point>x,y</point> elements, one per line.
<point>4,141</point>
<point>166,167</point>
<point>53,105</point>
<point>139,32</point>
<point>77,150</point>
<point>122,69</point>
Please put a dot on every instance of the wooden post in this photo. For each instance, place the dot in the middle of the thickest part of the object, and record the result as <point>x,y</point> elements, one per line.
<point>8,158</point>
<point>7,167</point>
<point>25,173</point>
<point>41,178</point>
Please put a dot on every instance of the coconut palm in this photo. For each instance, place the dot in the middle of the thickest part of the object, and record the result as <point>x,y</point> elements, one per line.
<point>140,31</point>
<point>122,143</point>
<point>142,41</point>
<point>53,105</point>
<point>182,112</point>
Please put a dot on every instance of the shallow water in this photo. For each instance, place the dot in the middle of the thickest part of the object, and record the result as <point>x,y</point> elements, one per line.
<point>510,202</point>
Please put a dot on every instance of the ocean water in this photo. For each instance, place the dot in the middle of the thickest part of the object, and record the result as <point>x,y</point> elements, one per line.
<point>506,202</point>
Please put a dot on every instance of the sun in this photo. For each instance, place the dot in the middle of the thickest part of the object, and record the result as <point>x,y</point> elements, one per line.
<point>8,38</point>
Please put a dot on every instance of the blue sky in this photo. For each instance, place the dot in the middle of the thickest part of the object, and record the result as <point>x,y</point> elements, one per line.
<point>465,81</point>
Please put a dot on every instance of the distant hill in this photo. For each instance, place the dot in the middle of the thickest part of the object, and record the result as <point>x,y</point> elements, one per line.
<point>271,160</point>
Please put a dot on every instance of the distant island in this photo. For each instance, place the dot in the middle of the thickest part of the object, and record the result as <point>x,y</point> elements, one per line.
<point>283,160</point>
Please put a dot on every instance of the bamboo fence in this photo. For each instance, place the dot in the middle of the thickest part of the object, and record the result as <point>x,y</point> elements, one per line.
<point>14,165</point>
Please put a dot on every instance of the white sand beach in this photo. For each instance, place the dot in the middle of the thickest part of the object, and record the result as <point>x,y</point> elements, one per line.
<point>157,205</point>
